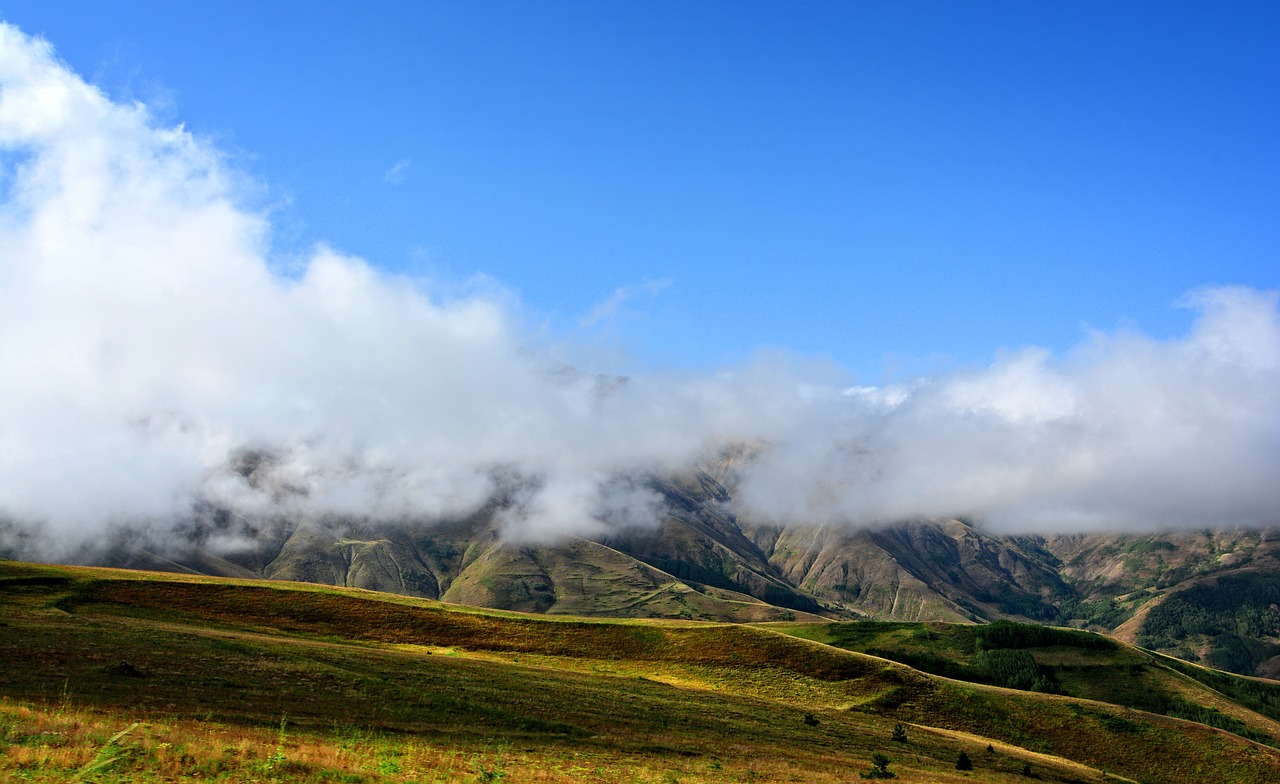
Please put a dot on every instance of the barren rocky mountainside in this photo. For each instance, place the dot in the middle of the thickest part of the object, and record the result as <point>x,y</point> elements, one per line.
<point>1211,595</point>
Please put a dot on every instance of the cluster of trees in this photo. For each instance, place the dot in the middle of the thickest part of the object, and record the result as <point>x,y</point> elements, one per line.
<point>1014,669</point>
<point>1107,613</point>
<point>1010,634</point>
<point>1028,605</point>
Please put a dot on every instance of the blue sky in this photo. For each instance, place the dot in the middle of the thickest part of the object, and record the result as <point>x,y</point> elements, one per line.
<point>897,187</point>
<point>920,260</point>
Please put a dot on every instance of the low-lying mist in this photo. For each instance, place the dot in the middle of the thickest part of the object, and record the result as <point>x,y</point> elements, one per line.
<point>150,344</point>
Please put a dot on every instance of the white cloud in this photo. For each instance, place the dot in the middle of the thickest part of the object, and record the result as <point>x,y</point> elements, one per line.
<point>147,345</point>
<point>609,307</point>
<point>1125,432</point>
<point>396,174</point>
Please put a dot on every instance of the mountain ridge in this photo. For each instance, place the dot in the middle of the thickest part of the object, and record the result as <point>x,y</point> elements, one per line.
<point>702,561</point>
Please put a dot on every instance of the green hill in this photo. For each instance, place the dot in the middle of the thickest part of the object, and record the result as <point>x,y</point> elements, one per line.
<point>112,675</point>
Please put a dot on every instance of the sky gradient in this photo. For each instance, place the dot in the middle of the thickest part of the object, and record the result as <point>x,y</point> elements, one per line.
<point>901,188</point>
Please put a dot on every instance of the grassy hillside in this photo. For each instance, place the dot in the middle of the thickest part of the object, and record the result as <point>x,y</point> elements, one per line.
<point>1068,662</point>
<point>114,675</point>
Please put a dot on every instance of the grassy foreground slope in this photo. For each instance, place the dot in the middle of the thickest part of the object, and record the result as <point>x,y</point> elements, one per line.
<point>1067,662</point>
<point>112,675</point>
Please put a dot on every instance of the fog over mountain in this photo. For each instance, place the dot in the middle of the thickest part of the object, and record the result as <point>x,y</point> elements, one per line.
<point>151,342</point>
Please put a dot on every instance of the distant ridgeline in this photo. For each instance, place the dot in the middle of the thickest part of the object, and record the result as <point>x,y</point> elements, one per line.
<point>1209,595</point>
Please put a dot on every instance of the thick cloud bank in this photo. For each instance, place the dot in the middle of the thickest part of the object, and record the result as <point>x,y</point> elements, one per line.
<point>1125,432</point>
<point>148,349</point>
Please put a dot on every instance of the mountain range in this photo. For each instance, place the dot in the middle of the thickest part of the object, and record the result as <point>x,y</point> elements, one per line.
<point>1211,595</point>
